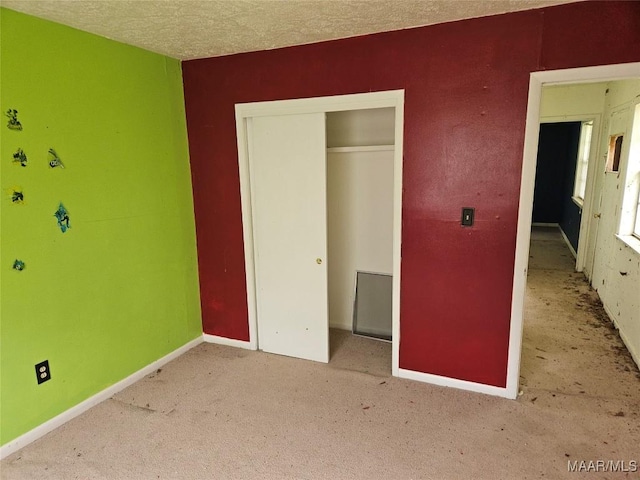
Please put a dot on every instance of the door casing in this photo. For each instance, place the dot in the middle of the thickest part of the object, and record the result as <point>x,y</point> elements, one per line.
<point>527,181</point>
<point>582,259</point>
<point>362,101</point>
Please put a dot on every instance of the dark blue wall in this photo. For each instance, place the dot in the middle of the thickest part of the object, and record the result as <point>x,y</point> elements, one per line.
<point>555,176</point>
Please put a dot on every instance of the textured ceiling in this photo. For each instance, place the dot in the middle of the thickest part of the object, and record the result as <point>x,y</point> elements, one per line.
<point>187,29</point>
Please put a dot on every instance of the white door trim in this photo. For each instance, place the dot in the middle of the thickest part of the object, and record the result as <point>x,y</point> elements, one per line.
<point>361,101</point>
<point>536,81</point>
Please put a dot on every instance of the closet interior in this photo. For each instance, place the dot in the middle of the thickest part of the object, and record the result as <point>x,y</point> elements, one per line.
<point>360,183</point>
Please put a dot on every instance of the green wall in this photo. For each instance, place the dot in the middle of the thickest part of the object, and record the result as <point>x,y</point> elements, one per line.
<point>119,289</point>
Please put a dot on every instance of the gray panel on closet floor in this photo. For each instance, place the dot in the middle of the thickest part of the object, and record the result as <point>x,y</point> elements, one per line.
<point>372,306</point>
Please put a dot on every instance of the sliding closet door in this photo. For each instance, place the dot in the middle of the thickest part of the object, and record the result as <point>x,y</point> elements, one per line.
<point>287,163</point>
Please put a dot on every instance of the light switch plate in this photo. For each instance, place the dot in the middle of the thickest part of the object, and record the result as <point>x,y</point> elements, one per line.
<point>467,216</point>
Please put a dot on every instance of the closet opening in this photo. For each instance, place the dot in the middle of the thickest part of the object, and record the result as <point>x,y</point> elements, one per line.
<point>321,191</point>
<point>360,182</point>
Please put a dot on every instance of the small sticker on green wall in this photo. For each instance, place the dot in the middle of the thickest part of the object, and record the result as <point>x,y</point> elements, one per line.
<point>20,158</point>
<point>54,159</point>
<point>17,195</point>
<point>63,218</point>
<point>19,265</point>
<point>14,123</point>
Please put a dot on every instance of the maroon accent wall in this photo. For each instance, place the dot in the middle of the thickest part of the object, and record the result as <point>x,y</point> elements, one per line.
<point>466,89</point>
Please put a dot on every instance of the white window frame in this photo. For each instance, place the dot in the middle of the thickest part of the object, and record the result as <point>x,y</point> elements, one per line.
<point>582,162</point>
<point>636,228</point>
<point>629,228</point>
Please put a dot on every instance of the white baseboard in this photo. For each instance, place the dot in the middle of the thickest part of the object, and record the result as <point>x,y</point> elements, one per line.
<point>566,240</point>
<point>57,421</point>
<point>230,342</point>
<point>627,343</point>
<point>455,383</point>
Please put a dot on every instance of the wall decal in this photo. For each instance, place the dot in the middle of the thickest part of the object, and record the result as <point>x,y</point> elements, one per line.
<point>63,218</point>
<point>17,195</point>
<point>19,265</point>
<point>20,157</point>
<point>54,160</point>
<point>14,123</point>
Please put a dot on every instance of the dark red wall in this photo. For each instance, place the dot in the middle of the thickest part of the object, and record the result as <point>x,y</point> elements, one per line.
<point>466,89</point>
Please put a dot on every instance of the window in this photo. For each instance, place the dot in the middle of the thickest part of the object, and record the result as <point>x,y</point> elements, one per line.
<point>636,227</point>
<point>630,218</point>
<point>582,163</point>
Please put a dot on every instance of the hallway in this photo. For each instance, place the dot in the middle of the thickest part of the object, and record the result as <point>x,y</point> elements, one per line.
<point>572,352</point>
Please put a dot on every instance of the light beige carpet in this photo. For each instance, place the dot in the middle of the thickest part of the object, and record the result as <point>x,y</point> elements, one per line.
<point>223,413</point>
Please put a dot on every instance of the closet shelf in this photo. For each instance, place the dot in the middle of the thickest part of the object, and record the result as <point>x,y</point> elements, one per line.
<point>365,148</point>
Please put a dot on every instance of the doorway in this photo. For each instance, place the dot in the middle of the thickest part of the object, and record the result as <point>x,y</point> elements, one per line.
<point>272,120</point>
<point>554,202</point>
<point>537,80</point>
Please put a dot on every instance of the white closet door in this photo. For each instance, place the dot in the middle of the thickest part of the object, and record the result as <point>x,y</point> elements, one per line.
<point>287,162</point>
